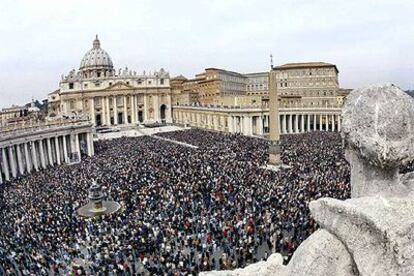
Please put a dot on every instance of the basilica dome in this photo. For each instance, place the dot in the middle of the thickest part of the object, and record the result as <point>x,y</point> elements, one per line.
<point>96,58</point>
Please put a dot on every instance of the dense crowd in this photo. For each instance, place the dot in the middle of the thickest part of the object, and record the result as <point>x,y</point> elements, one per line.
<point>184,210</point>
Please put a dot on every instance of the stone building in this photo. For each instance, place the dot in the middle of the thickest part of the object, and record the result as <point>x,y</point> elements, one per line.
<point>26,148</point>
<point>109,97</point>
<point>219,86</point>
<point>11,113</point>
<point>309,99</point>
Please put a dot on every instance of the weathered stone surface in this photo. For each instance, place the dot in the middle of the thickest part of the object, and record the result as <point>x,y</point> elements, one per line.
<point>272,266</point>
<point>378,123</point>
<point>321,254</point>
<point>377,232</point>
<point>378,128</point>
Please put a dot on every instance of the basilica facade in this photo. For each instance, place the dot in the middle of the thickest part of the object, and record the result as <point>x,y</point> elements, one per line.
<point>110,97</point>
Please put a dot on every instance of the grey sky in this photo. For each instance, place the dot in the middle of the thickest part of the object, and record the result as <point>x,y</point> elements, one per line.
<point>370,41</point>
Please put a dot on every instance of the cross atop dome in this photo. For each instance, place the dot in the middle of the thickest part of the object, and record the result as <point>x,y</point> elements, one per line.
<point>96,43</point>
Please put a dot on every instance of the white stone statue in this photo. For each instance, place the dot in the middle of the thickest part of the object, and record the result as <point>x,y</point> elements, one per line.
<point>373,232</point>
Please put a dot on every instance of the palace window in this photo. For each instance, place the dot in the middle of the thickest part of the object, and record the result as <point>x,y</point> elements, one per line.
<point>71,85</point>
<point>161,81</point>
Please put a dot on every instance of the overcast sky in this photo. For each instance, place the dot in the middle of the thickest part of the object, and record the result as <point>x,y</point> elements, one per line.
<point>369,41</point>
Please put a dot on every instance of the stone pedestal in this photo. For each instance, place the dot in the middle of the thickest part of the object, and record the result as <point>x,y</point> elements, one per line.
<point>274,153</point>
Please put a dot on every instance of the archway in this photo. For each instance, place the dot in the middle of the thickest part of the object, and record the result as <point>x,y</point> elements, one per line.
<point>163,109</point>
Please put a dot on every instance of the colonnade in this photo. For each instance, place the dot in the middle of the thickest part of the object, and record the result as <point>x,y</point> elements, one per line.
<point>257,123</point>
<point>299,123</point>
<point>22,156</point>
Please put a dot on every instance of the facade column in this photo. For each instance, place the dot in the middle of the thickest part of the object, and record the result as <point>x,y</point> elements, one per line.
<point>157,115</point>
<point>115,102</point>
<point>57,146</point>
<point>93,119</point>
<point>125,110</point>
<point>134,109</point>
<point>146,105</point>
<point>308,123</point>
<point>34,155</point>
<point>290,123</point>
<point>42,154</point>
<point>339,123</point>
<point>65,150</point>
<point>5,164</point>
<point>12,162</point>
<point>108,112</point>
<point>284,124</point>
<point>333,122</point>
<point>326,122</point>
<point>314,122</point>
<point>103,112</point>
<point>27,157</point>
<point>89,141</point>
<point>49,152</point>
<point>77,147</point>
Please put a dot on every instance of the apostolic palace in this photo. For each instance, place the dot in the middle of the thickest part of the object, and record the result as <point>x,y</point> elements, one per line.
<point>97,96</point>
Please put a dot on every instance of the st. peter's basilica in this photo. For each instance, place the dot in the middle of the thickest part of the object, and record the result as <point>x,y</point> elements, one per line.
<point>110,97</point>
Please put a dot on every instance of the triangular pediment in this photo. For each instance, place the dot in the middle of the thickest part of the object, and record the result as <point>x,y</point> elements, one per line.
<point>119,85</point>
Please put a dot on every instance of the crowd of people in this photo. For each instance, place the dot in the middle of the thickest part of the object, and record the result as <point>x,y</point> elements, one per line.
<point>184,209</point>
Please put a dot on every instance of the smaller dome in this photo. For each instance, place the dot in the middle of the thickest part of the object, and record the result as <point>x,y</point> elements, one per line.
<point>96,58</point>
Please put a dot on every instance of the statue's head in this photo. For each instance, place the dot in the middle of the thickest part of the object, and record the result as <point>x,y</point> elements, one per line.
<point>378,124</point>
<point>378,131</point>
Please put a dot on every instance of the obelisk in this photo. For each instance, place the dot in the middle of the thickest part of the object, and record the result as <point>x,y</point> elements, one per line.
<point>274,147</point>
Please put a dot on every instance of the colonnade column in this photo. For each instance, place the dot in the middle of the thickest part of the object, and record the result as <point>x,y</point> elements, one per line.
<point>284,124</point>
<point>230,122</point>
<point>34,155</point>
<point>308,128</point>
<point>290,123</point>
<point>42,154</point>
<point>314,122</point>
<point>259,125</point>
<point>302,122</point>
<point>5,164</point>
<point>49,151</point>
<point>26,155</point>
<point>333,122</point>
<point>57,146</point>
<point>296,123</point>
<point>12,162</point>
<point>326,122</point>
<point>20,160</point>
<point>65,150</point>
<point>320,122</point>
